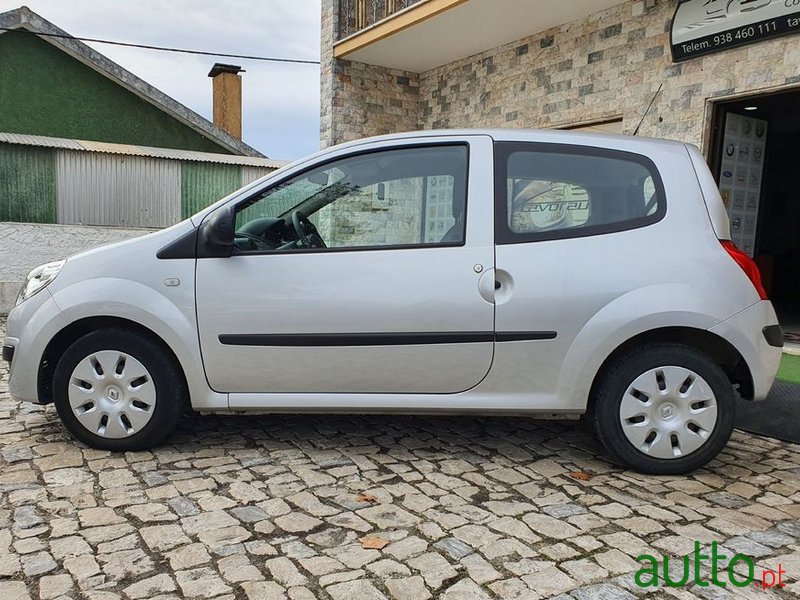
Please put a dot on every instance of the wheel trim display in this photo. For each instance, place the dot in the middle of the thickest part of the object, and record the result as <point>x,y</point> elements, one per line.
<point>112,394</point>
<point>668,412</point>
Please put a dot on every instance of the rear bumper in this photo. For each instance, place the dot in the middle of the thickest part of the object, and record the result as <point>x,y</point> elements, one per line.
<point>755,333</point>
<point>8,352</point>
<point>774,335</point>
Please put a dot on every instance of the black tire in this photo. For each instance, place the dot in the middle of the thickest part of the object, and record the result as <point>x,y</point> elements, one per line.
<point>171,393</point>
<point>614,383</point>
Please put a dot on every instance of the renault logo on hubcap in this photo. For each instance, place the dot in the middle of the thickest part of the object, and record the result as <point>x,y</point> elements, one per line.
<point>113,394</point>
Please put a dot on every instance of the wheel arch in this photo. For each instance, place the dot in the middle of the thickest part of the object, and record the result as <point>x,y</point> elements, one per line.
<point>718,348</point>
<point>73,331</point>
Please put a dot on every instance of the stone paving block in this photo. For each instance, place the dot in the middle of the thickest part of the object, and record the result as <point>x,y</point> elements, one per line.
<point>353,555</point>
<point>434,569</point>
<point>203,582</point>
<point>603,591</point>
<point>297,523</point>
<point>37,564</point>
<point>82,567</point>
<point>408,588</point>
<point>454,548</point>
<point>65,547</point>
<point>386,568</point>
<point>479,569</point>
<point>163,537</point>
<point>285,572</point>
<point>249,514</point>
<point>359,588</point>
<point>150,587</point>
<point>466,589</point>
<point>237,568</point>
<point>550,581</point>
<point>263,590</point>
<point>407,547</point>
<point>54,586</point>
<point>14,590</point>
<point>188,556</point>
<point>388,517</point>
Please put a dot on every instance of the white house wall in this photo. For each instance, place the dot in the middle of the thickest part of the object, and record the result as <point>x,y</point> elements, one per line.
<point>24,246</point>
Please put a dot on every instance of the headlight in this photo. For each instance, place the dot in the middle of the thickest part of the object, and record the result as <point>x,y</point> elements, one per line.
<point>39,278</point>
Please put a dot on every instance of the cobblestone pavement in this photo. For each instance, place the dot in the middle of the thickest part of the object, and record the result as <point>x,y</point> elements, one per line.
<point>355,508</point>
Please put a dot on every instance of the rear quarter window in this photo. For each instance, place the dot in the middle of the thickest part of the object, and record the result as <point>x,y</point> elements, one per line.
<point>549,191</point>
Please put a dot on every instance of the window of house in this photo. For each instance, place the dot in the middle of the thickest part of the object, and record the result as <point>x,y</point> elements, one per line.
<point>555,191</point>
<point>403,197</point>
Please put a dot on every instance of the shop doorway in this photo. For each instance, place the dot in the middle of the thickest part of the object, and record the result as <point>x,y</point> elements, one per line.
<point>754,158</point>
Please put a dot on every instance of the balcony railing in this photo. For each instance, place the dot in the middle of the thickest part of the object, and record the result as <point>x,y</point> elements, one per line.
<point>355,15</point>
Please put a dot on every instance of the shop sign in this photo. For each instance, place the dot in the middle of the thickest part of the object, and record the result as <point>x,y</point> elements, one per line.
<point>705,26</point>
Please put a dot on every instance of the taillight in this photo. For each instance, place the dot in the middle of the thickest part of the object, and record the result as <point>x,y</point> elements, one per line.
<point>747,264</point>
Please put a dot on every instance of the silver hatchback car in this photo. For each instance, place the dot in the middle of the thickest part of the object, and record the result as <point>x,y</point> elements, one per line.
<point>541,273</point>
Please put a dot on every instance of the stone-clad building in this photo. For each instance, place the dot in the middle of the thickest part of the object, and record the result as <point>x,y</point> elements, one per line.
<point>730,85</point>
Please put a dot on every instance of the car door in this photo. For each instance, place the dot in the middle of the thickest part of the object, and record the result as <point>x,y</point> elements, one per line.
<point>573,236</point>
<point>392,304</point>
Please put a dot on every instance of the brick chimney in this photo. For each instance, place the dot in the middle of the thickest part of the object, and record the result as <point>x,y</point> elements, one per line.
<point>227,98</point>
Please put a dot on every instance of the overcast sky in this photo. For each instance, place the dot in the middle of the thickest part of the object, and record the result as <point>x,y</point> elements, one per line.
<point>280,102</point>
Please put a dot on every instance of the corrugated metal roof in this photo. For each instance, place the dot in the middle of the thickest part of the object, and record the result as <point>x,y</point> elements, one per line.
<point>109,148</point>
<point>38,140</point>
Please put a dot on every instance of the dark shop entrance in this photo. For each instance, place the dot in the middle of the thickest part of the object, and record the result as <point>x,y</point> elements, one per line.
<point>756,161</point>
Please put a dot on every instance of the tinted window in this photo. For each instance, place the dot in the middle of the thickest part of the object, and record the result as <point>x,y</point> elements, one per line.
<point>550,192</point>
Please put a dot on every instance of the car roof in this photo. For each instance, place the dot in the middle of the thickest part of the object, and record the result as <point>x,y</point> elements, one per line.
<point>556,136</point>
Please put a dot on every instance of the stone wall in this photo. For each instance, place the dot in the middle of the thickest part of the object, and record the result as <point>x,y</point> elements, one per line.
<point>606,66</point>
<point>361,100</point>
<point>24,246</point>
<point>329,23</point>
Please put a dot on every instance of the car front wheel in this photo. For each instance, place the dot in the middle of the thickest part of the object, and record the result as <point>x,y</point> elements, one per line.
<point>118,390</point>
<point>663,409</point>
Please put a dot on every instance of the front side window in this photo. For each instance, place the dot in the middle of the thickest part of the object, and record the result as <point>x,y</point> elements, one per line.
<point>555,191</point>
<point>405,197</point>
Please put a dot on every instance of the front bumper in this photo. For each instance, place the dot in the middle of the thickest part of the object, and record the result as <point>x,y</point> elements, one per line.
<point>29,329</point>
<point>753,333</point>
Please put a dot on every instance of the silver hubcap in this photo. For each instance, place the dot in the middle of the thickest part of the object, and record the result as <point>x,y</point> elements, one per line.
<point>112,394</point>
<point>668,412</point>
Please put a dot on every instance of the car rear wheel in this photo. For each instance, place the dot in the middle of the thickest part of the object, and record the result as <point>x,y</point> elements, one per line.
<point>663,409</point>
<point>118,390</point>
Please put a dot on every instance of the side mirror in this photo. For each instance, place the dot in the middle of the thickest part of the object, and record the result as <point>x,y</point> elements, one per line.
<point>217,236</point>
